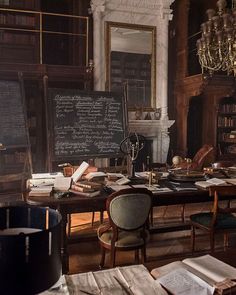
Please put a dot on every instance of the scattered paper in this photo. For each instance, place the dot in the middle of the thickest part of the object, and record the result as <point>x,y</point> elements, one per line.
<point>181,281</point>
<point>62,183</point>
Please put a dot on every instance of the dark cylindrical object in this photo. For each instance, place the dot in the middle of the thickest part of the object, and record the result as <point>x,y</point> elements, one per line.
<point>30,249</point>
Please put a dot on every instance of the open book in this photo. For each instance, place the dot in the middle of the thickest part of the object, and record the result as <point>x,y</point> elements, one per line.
<point>212,271</point>
<point>210,182</point>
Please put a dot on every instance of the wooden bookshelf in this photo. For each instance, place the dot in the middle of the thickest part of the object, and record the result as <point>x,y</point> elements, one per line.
<point>21,4</point>
<point>226,127</point>
<point>19,40</point>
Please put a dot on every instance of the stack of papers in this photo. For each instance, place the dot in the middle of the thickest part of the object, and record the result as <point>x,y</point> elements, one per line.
<point>134,279</point>
<point>41,191</point>
<point>41,184</point>
<point>43,179</point>
<point>52,175</point>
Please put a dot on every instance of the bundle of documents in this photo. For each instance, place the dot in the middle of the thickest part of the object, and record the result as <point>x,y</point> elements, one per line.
<point>42,179</point>
<point>41,191</point>
<point>41,184</point>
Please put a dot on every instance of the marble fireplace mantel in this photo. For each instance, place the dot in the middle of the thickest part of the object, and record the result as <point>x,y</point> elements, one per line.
<point>157,132</point>
<point>156,13</point>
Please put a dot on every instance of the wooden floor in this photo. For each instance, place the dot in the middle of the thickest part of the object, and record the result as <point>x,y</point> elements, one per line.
<point>161,249</point>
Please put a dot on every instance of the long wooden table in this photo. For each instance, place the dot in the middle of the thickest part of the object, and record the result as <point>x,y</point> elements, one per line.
<point>78,204</point>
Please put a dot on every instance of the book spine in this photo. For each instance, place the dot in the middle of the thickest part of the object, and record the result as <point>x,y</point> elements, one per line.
<point>83,185</point>
<point>81,189</point>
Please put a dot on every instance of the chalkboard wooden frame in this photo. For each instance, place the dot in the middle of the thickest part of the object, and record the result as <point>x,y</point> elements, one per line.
<point>106,110</point>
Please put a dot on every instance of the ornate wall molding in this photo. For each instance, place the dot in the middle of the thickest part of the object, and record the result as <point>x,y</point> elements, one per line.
<point>97,5</point>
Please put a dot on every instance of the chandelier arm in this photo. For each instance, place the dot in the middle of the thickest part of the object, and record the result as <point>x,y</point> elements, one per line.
<point>216,49</point>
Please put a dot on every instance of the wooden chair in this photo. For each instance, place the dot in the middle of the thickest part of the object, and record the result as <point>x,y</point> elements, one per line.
<point>127,229</point>
<point>218,219</point>
<point>201,157</point>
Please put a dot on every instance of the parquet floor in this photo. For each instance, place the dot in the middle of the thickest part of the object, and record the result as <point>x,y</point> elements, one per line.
<point>161,249</point>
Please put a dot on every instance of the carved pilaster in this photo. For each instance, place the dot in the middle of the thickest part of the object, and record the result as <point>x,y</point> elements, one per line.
<point>97,8</point>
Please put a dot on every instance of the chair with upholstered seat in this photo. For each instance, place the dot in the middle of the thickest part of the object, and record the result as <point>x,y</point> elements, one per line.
<point>127,229</point>
<point>218,219</point>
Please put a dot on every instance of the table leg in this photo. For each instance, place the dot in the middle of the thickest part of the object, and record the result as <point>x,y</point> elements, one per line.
<point>64,244</point>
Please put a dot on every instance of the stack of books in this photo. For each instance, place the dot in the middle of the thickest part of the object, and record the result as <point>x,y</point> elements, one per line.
<point>86,188</point>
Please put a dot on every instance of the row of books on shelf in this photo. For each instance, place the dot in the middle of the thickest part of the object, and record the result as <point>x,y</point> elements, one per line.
<point>228,108</point>
<point>231,149</point>
<point>17,38</point>
<point>26,4</point>
<point>228,135</point>
<point>226,121</point>
<point>17,20</point>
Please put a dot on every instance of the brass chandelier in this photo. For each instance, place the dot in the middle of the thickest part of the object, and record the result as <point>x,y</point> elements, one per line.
<point>216,49</point>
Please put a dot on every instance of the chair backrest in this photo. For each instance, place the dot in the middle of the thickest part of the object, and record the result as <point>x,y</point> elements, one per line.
<point>128,209</point>
<point>202,154</point>
<point>222,191</point>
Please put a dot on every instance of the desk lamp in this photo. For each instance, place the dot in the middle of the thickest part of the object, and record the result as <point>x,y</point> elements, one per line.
<point>30,258</point>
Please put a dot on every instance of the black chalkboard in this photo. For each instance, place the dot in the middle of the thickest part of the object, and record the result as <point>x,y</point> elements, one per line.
<point>12,115</point>
<point>85,124</point>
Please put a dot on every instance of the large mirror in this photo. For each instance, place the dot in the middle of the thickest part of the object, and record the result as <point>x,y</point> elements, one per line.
<point>131,63</point>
